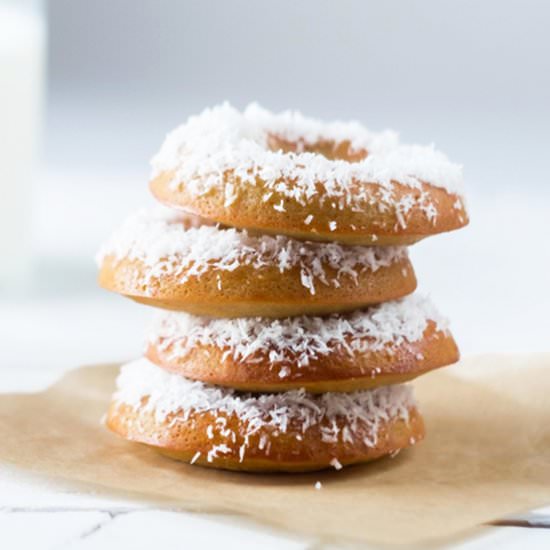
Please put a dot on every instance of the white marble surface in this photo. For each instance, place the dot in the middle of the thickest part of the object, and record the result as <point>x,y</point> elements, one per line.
<point>490,280</point>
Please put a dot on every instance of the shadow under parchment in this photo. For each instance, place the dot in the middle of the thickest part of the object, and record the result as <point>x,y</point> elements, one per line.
<point>487,455</point>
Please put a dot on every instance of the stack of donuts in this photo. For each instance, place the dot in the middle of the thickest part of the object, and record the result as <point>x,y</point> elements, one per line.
<point>285,327</point>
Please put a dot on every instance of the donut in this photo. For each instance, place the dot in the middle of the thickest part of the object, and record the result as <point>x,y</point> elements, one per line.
<point>287,174</point>
<point>286,432</point>
<point>385,344</point>
<point>174,261</point>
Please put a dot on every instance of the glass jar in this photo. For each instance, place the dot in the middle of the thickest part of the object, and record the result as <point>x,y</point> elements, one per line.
<point>22,68</point>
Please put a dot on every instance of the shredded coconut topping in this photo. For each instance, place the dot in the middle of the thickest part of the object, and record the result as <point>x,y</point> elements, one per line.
<point>221,141</point>
<point>168,242</point>
<point>297,339</point>
<point>168,394</point>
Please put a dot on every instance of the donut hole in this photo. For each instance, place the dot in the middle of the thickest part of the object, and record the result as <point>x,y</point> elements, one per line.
<point>331,150</point>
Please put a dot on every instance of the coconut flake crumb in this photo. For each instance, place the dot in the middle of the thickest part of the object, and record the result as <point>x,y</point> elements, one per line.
<point>284,372</point>
<point>196,456</point>
<point>309,219</point>
<point>318,486</point>
<point>171,243</point>
<point>171,398</point>
<point>335,463</point>
<point>298,340</point>
<point>332,225</point>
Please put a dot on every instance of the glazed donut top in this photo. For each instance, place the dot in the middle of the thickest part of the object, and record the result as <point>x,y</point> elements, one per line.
<point>291,154</point>
<point>168,394</point>
<point>299,339</point>
<point>170,242</point>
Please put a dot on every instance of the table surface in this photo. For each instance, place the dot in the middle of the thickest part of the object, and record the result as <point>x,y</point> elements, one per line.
<point>65,322</point>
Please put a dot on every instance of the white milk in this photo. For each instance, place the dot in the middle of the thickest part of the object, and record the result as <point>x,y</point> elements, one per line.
<point>22,53</point>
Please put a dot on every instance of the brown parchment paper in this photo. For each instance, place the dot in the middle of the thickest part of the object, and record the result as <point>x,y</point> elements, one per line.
<point>487,455</point>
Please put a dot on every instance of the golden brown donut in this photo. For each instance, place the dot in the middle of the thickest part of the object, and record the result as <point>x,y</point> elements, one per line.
<point>170,261</point>
<point>287,174</point>
<point>288,432</point>
<point>386,344</point>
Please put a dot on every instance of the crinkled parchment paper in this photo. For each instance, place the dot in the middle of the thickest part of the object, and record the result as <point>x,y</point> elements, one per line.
<point>487,455</point>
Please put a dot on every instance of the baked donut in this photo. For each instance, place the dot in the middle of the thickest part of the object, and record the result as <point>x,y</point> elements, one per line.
<point>385,344</point>
<point>171,260</point>
<point>292,431</point>
<point>287,174</point>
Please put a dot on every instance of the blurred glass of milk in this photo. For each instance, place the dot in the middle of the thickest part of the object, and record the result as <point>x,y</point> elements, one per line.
<point>22,63</point>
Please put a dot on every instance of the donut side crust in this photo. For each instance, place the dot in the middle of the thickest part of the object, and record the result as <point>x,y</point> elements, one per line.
<point>373,224</point>
<point>186,440</point>
<point>338,371</point>
<point>250,292</point>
